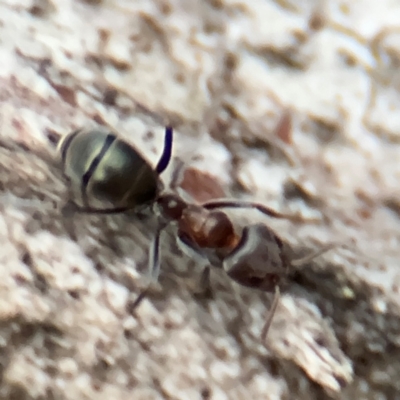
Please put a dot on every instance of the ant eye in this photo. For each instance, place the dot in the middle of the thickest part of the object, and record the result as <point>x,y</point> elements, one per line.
<point>255,281</point>
<point>171,206</point>
<point>266,283</point>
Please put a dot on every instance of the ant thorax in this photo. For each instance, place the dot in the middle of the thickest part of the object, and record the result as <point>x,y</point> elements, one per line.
<point>207,233</point>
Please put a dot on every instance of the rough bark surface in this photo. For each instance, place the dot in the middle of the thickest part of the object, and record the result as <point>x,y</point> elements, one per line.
<point>290,103</point>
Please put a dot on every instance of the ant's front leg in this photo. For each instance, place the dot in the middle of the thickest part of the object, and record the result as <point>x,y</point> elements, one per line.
<point>154,266</point>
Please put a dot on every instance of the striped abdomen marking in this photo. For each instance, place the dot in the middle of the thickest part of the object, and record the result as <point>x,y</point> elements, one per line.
<point>109,140</point>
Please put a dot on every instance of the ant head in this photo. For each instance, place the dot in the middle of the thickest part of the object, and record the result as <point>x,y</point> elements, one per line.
<point>258,260</point>
<point>171,206</point>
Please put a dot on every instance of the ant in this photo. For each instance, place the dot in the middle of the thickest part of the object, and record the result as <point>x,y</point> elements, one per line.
<point>109,176</point>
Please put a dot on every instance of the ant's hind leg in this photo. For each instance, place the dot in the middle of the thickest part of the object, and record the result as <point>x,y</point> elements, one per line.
<point>271,313</point>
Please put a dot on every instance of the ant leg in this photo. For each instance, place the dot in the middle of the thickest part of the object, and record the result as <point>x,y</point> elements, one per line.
<point>154,256</point>
<point>271,313</point>
<point>205,285</point>
<point>70,208</point>
<point>139,299</point>
<point>166,154</point>
<point>211,205</point>
<point>205,282</point>
<point>176,178</point>
<point>153,268</point>
<point>306,259</point>
<point>295,263</point>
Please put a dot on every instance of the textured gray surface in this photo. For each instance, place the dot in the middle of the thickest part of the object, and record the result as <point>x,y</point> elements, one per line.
<point>224,72</point>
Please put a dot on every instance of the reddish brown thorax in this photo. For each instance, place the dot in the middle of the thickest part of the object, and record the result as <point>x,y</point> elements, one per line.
<point>204,228</point>
<point>211,229</point>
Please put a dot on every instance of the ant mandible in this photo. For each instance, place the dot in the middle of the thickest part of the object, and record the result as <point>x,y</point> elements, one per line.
<point>109,176</point>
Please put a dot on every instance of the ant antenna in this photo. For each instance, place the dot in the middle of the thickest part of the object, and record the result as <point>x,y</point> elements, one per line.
<point>309,257</point>
<point>211,205</point>
<point>294,263</point>
<point>166,154</point>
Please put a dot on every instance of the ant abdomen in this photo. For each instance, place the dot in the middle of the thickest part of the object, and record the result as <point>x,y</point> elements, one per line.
<point>107,175</point>
<point>258,260</point>
<point>105,171</point>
